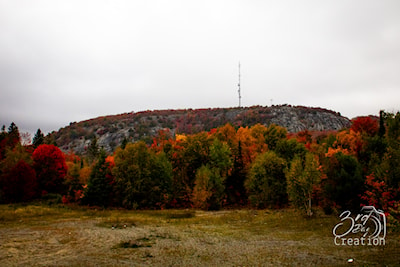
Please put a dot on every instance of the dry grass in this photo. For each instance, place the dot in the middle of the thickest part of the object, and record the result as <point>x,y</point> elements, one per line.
<point>64,236</point>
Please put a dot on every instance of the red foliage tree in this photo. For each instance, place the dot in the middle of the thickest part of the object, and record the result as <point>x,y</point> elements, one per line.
<point>19,183</point>
<point>378,194</point>
<point>365,124</point>
<point>49,163</point>
<point>304,137</point>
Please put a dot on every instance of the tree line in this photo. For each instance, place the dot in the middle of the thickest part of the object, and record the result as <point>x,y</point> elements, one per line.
<point>259,166</point>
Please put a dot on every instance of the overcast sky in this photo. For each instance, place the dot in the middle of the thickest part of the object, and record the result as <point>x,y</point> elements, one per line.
<point>65,61</point>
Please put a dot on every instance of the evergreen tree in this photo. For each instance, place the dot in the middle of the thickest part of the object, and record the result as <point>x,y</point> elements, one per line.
<point>93,150</point>
<point>234,184</point>
<point>13,135</point>
<point>13,129</point>
<point>99,188</point>
<point>344,183</point>
<point>391,159</point>
<point>124,142</point>
<point>382,129</point>
<point>3,141</point>
<point>38,139</point>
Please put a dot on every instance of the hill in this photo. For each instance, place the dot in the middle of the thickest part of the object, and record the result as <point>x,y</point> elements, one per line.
<point>111,130</point>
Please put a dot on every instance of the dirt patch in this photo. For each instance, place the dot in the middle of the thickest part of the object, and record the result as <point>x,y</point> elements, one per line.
<point>74,243</point>
<point>185,238</point>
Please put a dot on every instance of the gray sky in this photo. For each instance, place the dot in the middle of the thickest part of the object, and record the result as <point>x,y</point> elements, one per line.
<point>65,61</point>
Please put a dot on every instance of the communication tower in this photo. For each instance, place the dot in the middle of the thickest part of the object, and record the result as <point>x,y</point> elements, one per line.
<point>240,96</point>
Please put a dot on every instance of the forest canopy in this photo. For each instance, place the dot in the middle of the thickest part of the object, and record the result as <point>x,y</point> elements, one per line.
<point>228,166</point>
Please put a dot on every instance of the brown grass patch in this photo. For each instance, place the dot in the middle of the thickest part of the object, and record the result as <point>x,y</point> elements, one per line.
<point>65,236</point>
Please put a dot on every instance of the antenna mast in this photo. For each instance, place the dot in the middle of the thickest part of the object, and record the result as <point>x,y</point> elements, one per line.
<point>240,96</point>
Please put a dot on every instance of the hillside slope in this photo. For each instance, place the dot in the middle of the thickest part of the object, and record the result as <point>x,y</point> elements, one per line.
<point>111,130</point>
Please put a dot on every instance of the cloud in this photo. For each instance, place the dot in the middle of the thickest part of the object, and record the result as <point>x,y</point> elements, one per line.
<point>64,61</point>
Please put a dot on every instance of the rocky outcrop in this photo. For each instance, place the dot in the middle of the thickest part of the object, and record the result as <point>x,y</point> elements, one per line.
<point>110,131</point>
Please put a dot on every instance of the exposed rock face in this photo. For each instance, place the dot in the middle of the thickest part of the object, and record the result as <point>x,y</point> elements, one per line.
<point>297,119</point>
<point>111,130</point>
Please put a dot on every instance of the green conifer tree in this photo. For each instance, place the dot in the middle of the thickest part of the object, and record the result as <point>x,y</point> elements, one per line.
<point>99,188</point>
<point>38,139</point>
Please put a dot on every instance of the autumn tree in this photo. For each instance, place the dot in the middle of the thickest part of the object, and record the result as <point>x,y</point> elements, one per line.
<point>50,167</point>
<point>143,178</point>
<point>196,149</point>
<point>19,183</point>
<point>260,136</point>
<point>208,191</point>
<point>379,194</point>
<point>17,177</point>
<point>72,179</point>
<point>365,125</point>
<point>373,147</point>
<point>290,148</point>
<point>348,142</point>
<point>160,140</point>
<point>304,137</point>
<point>220,157</point>
<point>382,179</point>
<point>273,134</point>
<point>302,179</point>
<point>181,187</point>
<point>266,183</point>
<point>248,147</point>
<point>227,133</point>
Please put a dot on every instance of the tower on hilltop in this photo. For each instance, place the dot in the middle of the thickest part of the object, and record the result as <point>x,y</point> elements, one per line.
<point>240,96</point>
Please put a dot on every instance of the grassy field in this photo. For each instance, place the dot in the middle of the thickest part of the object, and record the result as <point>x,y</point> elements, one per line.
<point>41,235</point>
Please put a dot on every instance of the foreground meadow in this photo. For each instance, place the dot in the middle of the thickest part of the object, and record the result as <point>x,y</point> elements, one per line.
<point>42,235</point>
